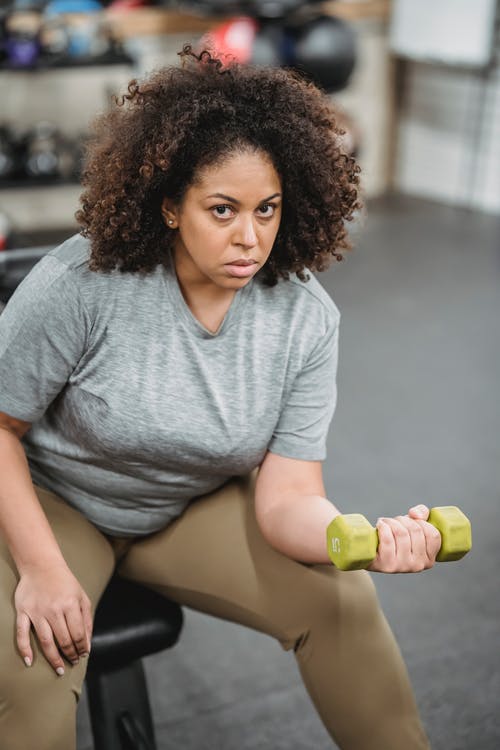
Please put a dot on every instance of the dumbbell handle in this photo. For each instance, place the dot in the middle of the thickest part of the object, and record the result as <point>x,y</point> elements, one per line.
<point>352,541</point>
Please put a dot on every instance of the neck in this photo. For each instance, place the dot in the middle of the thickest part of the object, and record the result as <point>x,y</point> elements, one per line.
<point>196,289</point>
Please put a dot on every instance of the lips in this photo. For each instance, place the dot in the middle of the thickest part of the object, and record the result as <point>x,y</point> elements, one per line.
<point>241,268</point>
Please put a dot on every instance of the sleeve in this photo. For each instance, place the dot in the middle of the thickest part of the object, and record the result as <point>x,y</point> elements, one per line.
<point>43,334</point>
<point>303,425</point>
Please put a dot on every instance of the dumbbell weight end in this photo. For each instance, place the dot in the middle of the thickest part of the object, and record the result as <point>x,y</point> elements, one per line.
<point>455,530</point>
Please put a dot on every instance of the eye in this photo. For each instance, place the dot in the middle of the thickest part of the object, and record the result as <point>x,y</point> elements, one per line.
<point>267,210</point>
<point>220,212</point>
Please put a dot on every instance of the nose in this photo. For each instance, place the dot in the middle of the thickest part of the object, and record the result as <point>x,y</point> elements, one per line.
<point>245,234</point>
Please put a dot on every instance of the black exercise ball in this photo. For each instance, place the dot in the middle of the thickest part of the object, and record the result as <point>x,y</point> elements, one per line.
<point>325,50</point>
<point>268,45</point>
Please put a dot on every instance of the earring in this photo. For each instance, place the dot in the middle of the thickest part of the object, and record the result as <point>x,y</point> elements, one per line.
<point>170,221</point>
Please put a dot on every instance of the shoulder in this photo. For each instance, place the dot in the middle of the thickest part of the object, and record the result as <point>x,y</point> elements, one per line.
<point>48,293</point>
<point>304,304</point>
<point>51,275</point>
<point>70,260</point>
<point>312,295</point>
<point>72,254</point>
<point>59,267</point>
<point>62,280</point>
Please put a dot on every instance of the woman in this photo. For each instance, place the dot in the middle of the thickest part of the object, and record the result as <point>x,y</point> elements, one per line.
<point>168,379</point>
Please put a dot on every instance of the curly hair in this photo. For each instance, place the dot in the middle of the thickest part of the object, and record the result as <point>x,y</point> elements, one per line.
<point>180,120</point>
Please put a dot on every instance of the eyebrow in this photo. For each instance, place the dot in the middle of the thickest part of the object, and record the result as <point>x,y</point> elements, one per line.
<point>234,200</point>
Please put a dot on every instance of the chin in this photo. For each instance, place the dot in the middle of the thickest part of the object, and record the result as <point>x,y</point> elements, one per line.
<point>233,282</point>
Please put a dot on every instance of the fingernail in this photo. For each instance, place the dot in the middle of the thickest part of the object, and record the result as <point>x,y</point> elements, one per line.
<point>85,655</point>
<point>60,671</point>
<point>75,662</point>
<point>27,661</point>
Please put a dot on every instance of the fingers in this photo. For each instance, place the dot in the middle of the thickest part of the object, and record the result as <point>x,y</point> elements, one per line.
<point>406,545</point>
<point>86,609</point>
<point>395,546</point>
<point>386,542</point>
<point>78,627</point>
<point>432,535</point>
<point>51,600</point>
<point>432,540</point>
<point>69,632</point>
<point>48,646</point>
<point>23,626</point>
<point>60,634</point>
<point>419,512</point>
<point>415,546</point>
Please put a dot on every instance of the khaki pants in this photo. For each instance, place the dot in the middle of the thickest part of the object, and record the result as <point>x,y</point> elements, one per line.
<point>215,560</point>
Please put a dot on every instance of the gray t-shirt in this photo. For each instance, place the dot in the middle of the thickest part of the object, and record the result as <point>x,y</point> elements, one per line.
<point>137,408</point>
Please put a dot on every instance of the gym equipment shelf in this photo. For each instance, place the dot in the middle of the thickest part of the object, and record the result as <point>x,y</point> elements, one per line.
<point>68,62</point>
<point>77,91</point>
<point>22,183</point>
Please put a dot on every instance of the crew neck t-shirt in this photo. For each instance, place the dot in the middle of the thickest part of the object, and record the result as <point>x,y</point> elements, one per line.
<point>136,408</point>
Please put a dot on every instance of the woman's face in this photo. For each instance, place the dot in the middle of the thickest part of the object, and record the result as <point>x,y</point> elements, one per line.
<point>227,222</point>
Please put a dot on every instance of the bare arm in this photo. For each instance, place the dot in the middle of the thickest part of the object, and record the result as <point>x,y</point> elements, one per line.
<point>292,509</point>
<point>48,596</point>
<point>21,517</point>
<point>293,514</point>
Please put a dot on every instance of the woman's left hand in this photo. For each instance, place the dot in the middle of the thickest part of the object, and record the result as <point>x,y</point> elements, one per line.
<point>407,544</point>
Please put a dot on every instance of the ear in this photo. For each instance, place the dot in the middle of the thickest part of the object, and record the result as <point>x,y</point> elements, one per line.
<point>169,213</point>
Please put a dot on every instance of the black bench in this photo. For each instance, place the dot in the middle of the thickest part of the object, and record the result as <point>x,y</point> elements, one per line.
<point>131,622</point>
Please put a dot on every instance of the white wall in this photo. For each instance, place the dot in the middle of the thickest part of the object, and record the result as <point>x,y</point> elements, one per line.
<point>369,100</point>
<point>449,134</point>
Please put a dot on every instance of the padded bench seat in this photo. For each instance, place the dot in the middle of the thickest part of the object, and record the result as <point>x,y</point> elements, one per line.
<point>131,622</point>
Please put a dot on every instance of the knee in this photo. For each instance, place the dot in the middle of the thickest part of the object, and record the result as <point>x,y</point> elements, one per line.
<point>342,597</point>
<point>358,596</point>
<point>37,708</point>
<point>328,603</point>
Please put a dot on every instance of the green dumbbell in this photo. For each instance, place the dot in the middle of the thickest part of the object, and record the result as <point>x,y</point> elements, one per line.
<point>352,541</point>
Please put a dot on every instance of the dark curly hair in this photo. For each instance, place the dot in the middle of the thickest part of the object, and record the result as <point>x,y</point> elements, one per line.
<point>179,120</point>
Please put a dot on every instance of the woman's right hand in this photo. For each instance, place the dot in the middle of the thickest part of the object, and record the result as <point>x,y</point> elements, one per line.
<point>50,599</point>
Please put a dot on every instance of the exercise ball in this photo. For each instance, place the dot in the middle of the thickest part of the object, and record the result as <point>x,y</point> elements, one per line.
<point>325,49</point>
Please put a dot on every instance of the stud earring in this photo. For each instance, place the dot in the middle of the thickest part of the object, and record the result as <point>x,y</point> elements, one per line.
<point>170,221</point>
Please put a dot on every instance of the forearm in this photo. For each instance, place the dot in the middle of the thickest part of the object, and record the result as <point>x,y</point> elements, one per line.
<point>23,523</point>
<point>296,526</point>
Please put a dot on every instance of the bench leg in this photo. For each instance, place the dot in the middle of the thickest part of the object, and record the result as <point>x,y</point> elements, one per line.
<point>120,715</point>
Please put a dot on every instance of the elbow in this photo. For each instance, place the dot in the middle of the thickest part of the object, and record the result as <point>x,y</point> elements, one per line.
<point>15,427</point>
<point>268,516</point>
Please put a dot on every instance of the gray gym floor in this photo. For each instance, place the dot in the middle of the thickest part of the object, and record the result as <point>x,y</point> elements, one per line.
<point>418,420</point>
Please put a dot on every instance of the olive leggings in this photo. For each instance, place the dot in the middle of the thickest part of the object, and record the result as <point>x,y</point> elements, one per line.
<point>214,559</point>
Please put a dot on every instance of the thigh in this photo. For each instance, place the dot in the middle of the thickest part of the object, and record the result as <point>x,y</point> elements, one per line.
<point>49,699</point>
<point>214,559</point>
<point>88,553</point>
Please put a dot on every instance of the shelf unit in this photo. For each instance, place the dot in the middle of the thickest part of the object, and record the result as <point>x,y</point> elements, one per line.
<point>70,97</point>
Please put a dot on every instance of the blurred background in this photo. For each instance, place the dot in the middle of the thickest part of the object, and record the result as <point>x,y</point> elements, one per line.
<point>417,88</point>
<point>416,84</point>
